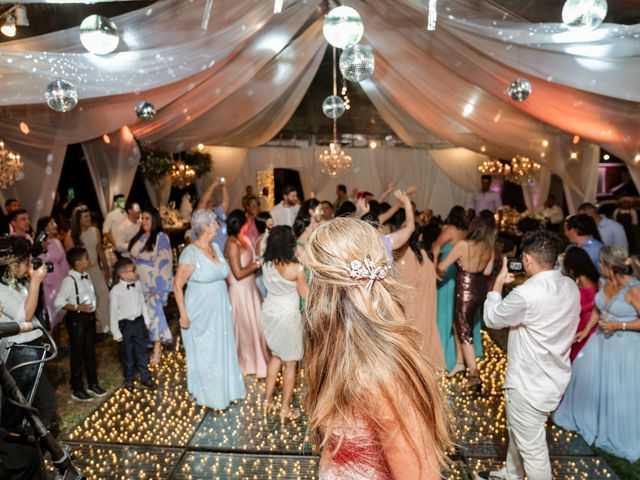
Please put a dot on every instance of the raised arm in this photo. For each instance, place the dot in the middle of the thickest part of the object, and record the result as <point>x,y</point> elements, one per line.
<point>31,302</point>
<point>402,236</point>
<point>206,196</point>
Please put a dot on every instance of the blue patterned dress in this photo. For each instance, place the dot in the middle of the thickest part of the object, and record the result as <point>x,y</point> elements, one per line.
<point>213,372</point>
<point>601,401</point>
<point>445,300</point>
<point>155,269</point>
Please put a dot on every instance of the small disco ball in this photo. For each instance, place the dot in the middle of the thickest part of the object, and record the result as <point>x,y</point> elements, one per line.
<point>61,96</point>
<point>357,63</point>
<point>342,27</point>
<point>584,14</point>
<point>145,110</point>
<point>519,90</point>
<point>99,35</point>
<point>333,107</point>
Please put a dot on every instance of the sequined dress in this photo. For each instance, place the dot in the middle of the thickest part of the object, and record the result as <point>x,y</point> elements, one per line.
<point>471,291</point>
<point>358,455</point>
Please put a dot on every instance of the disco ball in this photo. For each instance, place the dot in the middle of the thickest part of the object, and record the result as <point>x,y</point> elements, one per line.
<point>61,96</point>
<point>333,107</point>
<point>145,110</point>
<point>343,27</point>
<point>99,35</point>
<point>357,63</point>
<point>519,90</point>
<point>584,14</point>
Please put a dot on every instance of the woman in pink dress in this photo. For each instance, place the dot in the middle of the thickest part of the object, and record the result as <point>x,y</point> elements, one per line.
<point>253,353</point>
<point>579,266</point>
<point>375,408</point>
<point>55,254</point>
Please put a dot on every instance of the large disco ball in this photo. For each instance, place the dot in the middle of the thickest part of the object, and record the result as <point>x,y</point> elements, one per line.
<point>519,90</point>
<point>61,96</point>
<point>99,35</point>
<point>333,107</point>
<point>584,14</point>
<point>145,110</point>
<point>357,63</point>
<point>343,27</point>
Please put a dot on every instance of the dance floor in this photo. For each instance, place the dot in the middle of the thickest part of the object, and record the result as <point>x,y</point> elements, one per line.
<point>163,434</point>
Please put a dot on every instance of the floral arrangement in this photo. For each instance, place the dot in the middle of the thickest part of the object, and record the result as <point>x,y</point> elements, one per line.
<point>156,165</point>
<point>170,216</point>
<point>511,217</point>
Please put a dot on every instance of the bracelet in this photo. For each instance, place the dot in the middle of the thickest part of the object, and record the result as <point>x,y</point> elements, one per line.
<point>77,307</point>
<point>624,326</point>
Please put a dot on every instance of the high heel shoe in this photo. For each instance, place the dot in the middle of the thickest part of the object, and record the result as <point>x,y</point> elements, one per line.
<point>474,382</point>
<point>459,368</point>
<point>290,414</point>
<point>266,408</point>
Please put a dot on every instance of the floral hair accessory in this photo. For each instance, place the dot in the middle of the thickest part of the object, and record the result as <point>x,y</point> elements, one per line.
<point>368,270</point>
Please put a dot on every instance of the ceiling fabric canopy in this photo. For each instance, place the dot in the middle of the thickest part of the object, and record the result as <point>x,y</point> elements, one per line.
<point>238,82</point>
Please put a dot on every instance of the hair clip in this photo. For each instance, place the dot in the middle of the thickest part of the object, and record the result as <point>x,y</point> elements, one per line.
<point>368,270</point>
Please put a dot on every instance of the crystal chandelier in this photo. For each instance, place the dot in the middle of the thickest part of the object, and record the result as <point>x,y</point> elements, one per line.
<point>182,175</point>
<point>521,170</point>
<point>333,160</point>
<point>10,167</point>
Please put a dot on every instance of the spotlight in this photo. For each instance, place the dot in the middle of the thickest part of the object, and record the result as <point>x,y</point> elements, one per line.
<point>21,16</point>
<point>9,27</point>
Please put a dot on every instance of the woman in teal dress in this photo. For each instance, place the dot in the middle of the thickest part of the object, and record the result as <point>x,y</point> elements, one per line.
<point>213,373</point>
<point>455,229</point>
<point>601,401</point>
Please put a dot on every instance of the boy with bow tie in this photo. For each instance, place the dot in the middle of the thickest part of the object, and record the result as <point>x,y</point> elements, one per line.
<point>78,297</point>
<point>130,323</point>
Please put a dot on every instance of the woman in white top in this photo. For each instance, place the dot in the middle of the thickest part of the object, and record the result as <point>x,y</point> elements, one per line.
<point>281,320</point>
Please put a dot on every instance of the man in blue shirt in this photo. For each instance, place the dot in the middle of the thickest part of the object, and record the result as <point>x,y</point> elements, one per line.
<point>612,232</point>
<point>582,232</point>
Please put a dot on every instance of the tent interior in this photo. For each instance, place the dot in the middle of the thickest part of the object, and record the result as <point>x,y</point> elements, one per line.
<point>247,85</point>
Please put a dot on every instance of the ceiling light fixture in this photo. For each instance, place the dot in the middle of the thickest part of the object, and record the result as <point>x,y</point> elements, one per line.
<point>16,16</point>
<point>277,6</point>
<point>8,29</point>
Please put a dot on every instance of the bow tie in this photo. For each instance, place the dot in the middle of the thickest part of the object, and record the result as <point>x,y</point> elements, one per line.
<point>130,285</point>
<point>84,277</point>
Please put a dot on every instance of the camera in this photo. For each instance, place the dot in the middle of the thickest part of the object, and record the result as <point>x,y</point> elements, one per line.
<point>515,265</point>
<point>36,263</point>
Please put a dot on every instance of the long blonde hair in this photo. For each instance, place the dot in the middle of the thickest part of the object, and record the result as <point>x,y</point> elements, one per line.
<point>359,345</point>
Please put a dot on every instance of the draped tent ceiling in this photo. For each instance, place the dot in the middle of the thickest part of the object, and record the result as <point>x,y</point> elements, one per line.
<point>239,82</point>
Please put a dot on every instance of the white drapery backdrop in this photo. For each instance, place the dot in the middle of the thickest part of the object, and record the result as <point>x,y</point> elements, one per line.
<point>238,82</point>
<point>373,169</point>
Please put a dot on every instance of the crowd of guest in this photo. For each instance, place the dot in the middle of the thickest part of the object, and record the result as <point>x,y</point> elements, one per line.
<point>243,293</point>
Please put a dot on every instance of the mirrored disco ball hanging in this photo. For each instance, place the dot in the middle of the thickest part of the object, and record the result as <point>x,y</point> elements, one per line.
<point>357,63</point>
<point>61,96</point>
<point>519,90</point>
<point>343,27</point>
<point>99,35</point>
<point>333,106</point>
<point>584,14</point>
<point>145,110</point>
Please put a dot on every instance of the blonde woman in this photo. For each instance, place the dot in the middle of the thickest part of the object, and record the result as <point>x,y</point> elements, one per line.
<point>374,407</point>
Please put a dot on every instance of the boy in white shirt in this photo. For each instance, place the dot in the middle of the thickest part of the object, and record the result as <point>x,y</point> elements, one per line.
<point>130,323</point>
<point>78,297</point>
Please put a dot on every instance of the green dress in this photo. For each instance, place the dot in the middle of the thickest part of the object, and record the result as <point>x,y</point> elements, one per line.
<point>446,298</point>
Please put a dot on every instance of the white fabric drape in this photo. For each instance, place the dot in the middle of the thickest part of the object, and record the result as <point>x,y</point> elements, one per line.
<point>159,192</point>
<point>112,166</point>
<point>373,170</point>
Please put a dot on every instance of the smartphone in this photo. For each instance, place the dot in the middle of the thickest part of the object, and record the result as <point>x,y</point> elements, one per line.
<point>71,194</point>
<point>222,180</point>
<point>515,265</point>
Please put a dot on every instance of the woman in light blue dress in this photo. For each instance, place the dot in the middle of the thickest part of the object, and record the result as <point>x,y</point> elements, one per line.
<point>601,401</point>
<point>455,229</point>
<point>150,250</point>
<point>213,372</point>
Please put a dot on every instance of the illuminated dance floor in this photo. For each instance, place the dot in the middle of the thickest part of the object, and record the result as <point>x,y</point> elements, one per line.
<point>163,434</point>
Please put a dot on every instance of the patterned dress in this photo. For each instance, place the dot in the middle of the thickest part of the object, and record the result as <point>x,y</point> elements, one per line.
<point>155,269</point>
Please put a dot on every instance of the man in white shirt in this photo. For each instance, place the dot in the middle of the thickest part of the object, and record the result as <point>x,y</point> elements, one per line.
<point>542,315</point>
<point>486,199</point>
<point>286,211</point>
<point>127,229</point>
<point>114,218</point>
